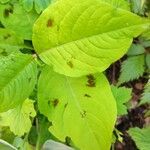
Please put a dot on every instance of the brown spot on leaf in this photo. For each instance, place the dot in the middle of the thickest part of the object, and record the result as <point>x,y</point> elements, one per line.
<point>87,95</point>
<point>83,114</point>
<point>49,23</point>
<point>91,80</point>
<point>54,102</point>
<point>7,12</point>
<point>70,64</point>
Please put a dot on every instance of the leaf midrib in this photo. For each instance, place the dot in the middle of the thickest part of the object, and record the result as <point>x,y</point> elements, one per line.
<point>57,46</point>
<point>80,108</point>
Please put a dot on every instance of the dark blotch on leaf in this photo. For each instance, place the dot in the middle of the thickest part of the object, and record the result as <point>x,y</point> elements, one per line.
<point>70,64</point>
<point>65,105</point>
<point>54,102</point>
<point>49,23</point>
<point>68,141</point>
<point>7,36</point>
<point>29,79</point>
<point>91,81</point>
<point>87,95</point>
<point>83,114</point>
<point>7,12</point>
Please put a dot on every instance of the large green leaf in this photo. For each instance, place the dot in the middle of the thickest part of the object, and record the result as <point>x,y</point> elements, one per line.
<point>14,17</point>
<point>18,118</point>
<point>79,37</point>
<point>82,108</point>
<point>17,79</point>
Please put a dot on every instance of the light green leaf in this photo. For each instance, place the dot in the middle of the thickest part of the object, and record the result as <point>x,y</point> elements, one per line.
<point>9,42</point>
<point>132,68</point>
<point>78,37</point>
<point>141,137</point>
<point>14,17</point>
<point>122,96</point>
<point>146,95</point>
<point>18,75</point>
<point>18,119</point>
<point>82,108</point>
<point>6,146</point>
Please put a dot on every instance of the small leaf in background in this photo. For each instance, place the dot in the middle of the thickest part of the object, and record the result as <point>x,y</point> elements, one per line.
<point>77,46</point>
<point>146,94</point>
<point>52,145</point>
<point>9,42</point>
<point>18,119</point>
<point>137,6</point>
<point>27,4</point>
<point>122,96</point>
<point>39,5</point>
<point>6,146</point>
<point>132,68</point>
<point>141,137</point>
<point>136,49</point>
<point>15,18</point>
<point>78,108</point>
<point>18,75</point>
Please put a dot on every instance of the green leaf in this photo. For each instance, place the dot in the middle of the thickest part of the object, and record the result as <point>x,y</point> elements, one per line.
<point>4,1</point>
<point>141,137</point>
<point>119,4</point>
<point>15,18</point>
<point>122,96</point>
<point>52,145</point>
<point>132,68</point>
<point>148,62</point>
<point>18,119</point>
<point>78,108</point>
<point>6,146</point>
<point>137,6</point>
<point>78,37</point>
<point>136,49</point>
<point>9,42</point>
<point>40,5</point>
<point>146,95</point>
<point>17,79</point>
<point>27,4</point>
